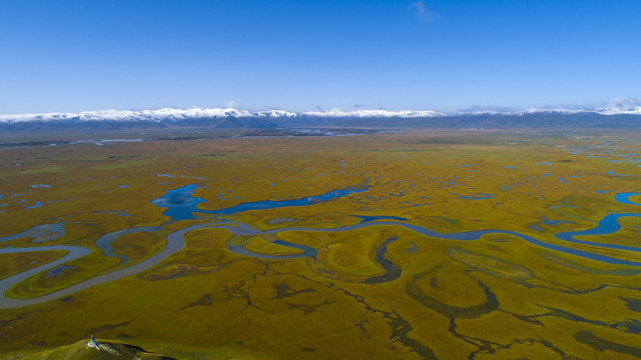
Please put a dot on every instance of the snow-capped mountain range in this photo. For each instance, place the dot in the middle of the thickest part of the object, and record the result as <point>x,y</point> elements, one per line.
<point>213,113</point>
<point>617,114</point>
<point>147,115</point>
<point>171,114</point>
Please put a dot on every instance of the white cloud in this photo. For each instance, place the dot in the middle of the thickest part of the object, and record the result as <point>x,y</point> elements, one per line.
<point>488,109</point>
<point>232,104</point>
<point>624,103</point>
<point>621,106</point>
<point>422,13</point>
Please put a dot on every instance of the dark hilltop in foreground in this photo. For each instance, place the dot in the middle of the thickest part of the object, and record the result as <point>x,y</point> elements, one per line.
<point>104,349</point>
<point>81,350</point>
<point>240,119</point>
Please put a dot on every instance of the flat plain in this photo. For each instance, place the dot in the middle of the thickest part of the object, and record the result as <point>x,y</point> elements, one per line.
<point>410,245</point>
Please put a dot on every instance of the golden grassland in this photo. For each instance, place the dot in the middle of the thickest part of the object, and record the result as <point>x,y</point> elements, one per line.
<point>498,297</point>
<point>11,264</point>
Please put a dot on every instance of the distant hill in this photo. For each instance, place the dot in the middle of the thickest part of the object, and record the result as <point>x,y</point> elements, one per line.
<point>241,119</point>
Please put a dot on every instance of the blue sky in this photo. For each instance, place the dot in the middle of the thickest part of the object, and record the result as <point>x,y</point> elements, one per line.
<point>299,55</point>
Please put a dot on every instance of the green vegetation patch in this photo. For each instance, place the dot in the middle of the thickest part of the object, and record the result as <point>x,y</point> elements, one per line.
<point>264,245</point>
<point>11,264</point>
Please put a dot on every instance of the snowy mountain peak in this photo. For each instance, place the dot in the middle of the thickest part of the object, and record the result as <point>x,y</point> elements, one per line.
<point>165,114</point>
<point>170,114</point>
<point>607,115</point>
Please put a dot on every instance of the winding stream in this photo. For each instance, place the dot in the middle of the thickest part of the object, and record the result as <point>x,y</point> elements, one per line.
<point>181,205</point>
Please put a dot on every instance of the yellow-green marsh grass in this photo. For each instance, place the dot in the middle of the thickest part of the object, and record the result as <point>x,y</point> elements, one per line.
<point>497,297</point>
<point>18,262</point>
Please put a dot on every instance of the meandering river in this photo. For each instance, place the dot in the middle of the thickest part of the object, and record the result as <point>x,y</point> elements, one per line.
<point>182,205</point>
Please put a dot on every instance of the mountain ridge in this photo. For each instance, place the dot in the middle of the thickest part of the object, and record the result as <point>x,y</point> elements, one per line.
<point>230,118</point>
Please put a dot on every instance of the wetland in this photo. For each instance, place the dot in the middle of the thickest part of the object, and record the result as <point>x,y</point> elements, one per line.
<point>410,245</point>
